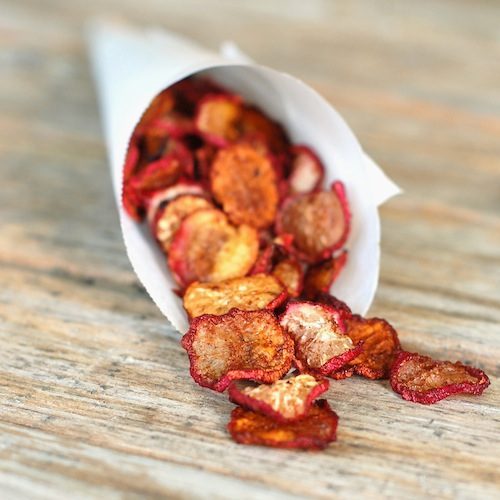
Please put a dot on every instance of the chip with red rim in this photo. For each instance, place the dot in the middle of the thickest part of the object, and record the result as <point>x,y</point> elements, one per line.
<point>380,346</point>
<point>321,345</point>
<point>169,217</point>
<point>424,380</point>
<point>306,172</point>
<point>247,345</point>
<point>285,400</point>
<point>320,277</point>
<point>243,181</point>
<point>207,248</point>
<point>315,224</point>
<point>313,432</point>
<point>290,273</point>
<point>250,293</point>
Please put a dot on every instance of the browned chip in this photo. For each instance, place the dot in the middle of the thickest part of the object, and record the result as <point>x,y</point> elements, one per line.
<point>247,345</point>
<point>250,293</point>
<point>290,273</point>
<point>169,217</point>
<point>208,248</point>
<point>318,223</point>
<point>313,432</point>
<point>243,181</point>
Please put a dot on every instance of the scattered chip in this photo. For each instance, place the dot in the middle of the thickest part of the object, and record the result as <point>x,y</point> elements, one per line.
<point>307,171</point>
<point>320,277</point>
<point>423,380</point>
<point>217,118</point>
<point>284,400</point>
<point>238,345</point>
<point>290,273</point>
<point>321,345</point>
<point>169,217</point>
<point>313,432</point>
<point>380,345</point>
<point>243,181</point>
<point>208,248</point>
<point>250,293</point>
<point>318,223</point>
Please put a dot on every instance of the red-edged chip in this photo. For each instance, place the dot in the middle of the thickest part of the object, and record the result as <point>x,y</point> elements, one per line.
<point>163,104</point>
<point>190,91</point>
<point>320,277</point>
<point>343,309</point>
<point>159,174</point>
<point>264,262</point>
<point>321,345</point>
<point>132,159</point>
<point>313,432</point>
<point>316,223</point>
<point>163,196</point>
<point>290,273</point>
<point>253,125</point>
<point>169,217</point>
<point>217,118</point>
<point>423,380</point>
<point>380,346</point>
<point>238,345</point>
<point>132,202</point>
<point>208,248</point>
<point>285,400</point>
<point>250,293</point>
<point>243,181</point>
<point>307,171</point>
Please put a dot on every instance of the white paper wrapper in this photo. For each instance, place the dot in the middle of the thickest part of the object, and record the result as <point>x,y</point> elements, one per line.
<point>131,67</point>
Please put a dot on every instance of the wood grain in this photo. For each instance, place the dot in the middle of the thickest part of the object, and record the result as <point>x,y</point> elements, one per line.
<point>95,400</point>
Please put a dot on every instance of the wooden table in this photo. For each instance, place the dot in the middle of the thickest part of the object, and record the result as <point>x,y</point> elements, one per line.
<point>95,399</point>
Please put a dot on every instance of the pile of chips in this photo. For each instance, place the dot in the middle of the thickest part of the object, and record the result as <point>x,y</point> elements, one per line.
<point>255,242</point>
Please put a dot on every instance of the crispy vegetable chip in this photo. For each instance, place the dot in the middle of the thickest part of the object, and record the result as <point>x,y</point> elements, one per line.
<point>163,196</point>
<point>169,218</point>
<point>342,308</point>
<point>159,174</point>
<point>290,273</point>
<point>243,181</point>
<point>307,171</point>
<point>238,345</point>
<point>317,222</point>
<point>259,291</point>
<point>380,345</point>
<point>320,277</point>
<point>423,380</point>
<point>253,124</point>
<point>321,344</point>
<point>313,432</point>
<point>208,248</point>
<point>285,400</point>
<point>217,118</point>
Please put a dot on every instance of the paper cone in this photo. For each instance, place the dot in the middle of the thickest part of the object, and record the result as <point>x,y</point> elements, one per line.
<point>131,67</point>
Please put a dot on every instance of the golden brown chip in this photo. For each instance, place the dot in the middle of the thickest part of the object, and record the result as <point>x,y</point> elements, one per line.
<point>250,293</point>
<point>313,432</point>
<point>290,273</point>
<point>169,218</point>
<point>317,222</point>
<point>243,181</point>
<point>284,400</point>
<point>217,118</point>
<point>320,277</point>
<point>208,248</point>
<point>320,342</point>
<point>380,345</point>
<point>247,345</point>
<point>424,380</point>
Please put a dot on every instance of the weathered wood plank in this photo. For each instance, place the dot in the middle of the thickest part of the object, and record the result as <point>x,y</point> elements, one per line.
<point>94,394</point>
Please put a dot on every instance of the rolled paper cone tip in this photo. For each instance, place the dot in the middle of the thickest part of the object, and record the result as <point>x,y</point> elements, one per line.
<point>131,67</point>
